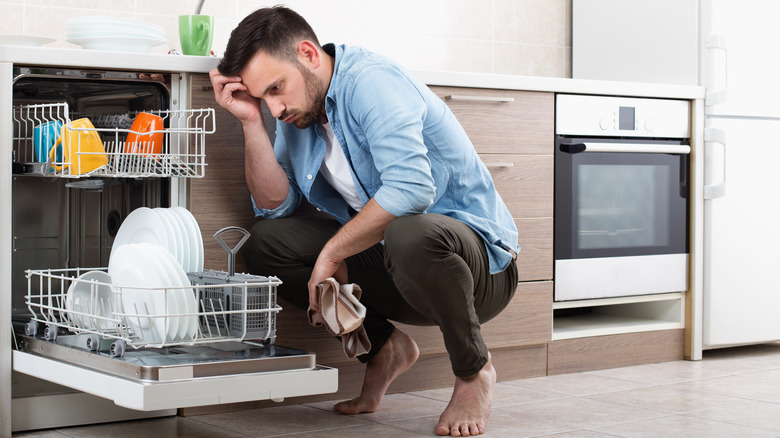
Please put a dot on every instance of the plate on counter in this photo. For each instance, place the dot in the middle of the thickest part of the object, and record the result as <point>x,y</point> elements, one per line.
<point>25,40</point>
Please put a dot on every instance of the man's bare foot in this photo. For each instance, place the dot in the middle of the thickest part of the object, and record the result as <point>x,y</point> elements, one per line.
<point>469,408</point>
<point>398,354</point>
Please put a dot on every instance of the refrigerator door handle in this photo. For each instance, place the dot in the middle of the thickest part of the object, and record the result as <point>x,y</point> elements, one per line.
<point>715,135</point>
<point>717,94</point>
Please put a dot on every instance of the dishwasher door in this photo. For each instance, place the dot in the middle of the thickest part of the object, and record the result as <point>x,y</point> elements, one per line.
<point>177,385</point>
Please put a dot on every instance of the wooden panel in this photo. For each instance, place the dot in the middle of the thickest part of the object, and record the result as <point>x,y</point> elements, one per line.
<point>601,352</point>
<point>526,186</point>
<point>430,372</point>
<point>535,259</point>
<point>524,126</point>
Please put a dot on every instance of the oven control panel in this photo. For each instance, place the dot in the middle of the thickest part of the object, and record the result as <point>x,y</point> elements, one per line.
<point>621,117</point>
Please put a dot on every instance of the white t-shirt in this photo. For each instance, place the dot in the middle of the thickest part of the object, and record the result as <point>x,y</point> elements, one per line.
<point>335,169</point>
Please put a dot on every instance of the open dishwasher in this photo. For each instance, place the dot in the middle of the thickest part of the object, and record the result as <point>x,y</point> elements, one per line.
<point>65,224</point>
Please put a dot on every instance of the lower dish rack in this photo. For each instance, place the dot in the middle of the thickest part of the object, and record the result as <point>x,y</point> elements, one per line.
<point>229,308</point>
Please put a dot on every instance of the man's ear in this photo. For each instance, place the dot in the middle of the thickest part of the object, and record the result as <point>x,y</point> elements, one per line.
<point>309,53</point>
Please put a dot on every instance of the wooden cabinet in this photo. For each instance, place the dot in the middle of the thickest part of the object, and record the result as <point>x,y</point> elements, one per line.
<point>513,133</point>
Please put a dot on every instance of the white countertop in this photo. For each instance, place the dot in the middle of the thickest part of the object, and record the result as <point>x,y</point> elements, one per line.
<point>81,58</point>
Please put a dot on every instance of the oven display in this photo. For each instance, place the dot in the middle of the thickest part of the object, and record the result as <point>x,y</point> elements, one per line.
<point>626,118</point>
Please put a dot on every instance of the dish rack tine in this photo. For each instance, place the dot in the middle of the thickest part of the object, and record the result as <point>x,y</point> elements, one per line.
<point>231,251</point>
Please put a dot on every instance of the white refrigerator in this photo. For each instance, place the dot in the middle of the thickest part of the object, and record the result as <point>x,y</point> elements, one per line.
<point>731,48</point>
<point>739,68</point>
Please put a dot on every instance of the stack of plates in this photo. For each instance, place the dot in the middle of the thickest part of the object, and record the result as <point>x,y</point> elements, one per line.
<point>157,298</point>
<point>152,252</point>
<point>113,33</point>
<point>174,229</point>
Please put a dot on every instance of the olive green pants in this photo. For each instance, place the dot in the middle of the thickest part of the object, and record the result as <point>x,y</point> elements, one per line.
<point>431,270</point>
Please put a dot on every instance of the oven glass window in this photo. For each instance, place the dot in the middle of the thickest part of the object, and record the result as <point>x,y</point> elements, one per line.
<point>622,206</point>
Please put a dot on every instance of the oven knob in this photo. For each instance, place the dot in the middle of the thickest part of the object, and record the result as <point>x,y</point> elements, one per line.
<point>604,123</point>
<point>649,125</point>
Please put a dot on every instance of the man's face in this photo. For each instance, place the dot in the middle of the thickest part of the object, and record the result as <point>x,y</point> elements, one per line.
<point>292,91</point>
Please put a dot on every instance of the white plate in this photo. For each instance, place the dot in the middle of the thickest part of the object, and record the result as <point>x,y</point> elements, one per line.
<point>25,40</point>
<point>115,22</point>
<point>116,35</point>
<point>121,44</point>
<point>135,275</point>
<point>82,298</point>
<point>196,239</point>
<point>172,300</point>
<point>185,297</point>
<point>177,244</point>
<point>113,29</point>
<point>180,235</point>
<point>142,225</point>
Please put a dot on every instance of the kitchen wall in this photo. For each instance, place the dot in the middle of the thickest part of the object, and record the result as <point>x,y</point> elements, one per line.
<point>519,37</point>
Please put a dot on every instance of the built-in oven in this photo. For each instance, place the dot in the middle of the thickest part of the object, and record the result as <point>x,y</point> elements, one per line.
<point>621,196</point>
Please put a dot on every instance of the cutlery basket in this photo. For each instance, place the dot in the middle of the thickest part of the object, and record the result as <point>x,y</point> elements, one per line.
<point>239,305</point>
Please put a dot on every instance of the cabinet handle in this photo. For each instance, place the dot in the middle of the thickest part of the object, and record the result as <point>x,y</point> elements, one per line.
<point>499,164</point>
<point>479,98</point>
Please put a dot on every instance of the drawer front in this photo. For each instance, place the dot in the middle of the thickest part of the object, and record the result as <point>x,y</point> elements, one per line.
<point>503,121</point>
<point>525,182</point>
<point>535,259</point>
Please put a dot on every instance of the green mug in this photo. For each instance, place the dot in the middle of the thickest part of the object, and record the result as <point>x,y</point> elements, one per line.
<point>196,33</point>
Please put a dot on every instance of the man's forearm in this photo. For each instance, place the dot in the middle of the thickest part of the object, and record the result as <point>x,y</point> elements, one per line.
<point>265,178</point>
<point>363,231</point>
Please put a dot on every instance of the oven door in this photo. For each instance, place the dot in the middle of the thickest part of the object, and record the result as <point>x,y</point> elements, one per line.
<point>621,217</point>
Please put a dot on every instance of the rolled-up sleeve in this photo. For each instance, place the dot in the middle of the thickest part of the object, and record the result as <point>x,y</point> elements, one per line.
<point>392,118</point>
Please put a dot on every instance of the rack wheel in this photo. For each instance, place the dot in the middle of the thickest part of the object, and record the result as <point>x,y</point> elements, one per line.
<point>117,348</point>
<point>31,328</point>
<point>93,342</point>
<point>50,333</point>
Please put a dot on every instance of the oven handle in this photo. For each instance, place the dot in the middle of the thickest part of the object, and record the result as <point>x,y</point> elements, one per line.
<point>641,148</point>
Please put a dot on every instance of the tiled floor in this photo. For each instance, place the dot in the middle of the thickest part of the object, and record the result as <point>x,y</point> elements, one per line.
<point>731,393</point>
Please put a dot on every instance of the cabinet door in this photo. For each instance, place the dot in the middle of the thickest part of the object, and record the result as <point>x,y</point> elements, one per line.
<point>503,121</point>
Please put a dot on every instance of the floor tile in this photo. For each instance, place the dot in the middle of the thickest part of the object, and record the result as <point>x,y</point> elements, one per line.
<point>754,414</point>
<point>504,395</point>
<point>675,371</point>
<point>363,431</point>
<point>756,386</point>
<point>683,426</point>
<point>577,384</point>
<point>581,433</point>
<point>397,407</point>
<point>579,413</point>
<point>668,398</point>
<point>279,420</point>
<point>162,427</point>
<point>501,424</point>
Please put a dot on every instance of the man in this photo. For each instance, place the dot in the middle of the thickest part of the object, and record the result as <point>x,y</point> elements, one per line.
<point>418,223</point>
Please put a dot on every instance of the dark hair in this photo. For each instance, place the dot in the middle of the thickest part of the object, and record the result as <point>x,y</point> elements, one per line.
<point>276,30</point>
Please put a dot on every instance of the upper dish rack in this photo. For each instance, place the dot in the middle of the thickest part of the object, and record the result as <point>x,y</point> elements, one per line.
<point>182,153</point>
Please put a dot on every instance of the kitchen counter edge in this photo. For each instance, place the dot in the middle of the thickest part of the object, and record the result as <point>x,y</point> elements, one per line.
<point>80,58</point>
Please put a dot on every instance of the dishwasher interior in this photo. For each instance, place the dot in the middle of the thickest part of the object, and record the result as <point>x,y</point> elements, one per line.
<point>65,223</point>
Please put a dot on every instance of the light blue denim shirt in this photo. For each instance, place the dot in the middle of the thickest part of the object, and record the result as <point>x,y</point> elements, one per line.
<point>406,150</point>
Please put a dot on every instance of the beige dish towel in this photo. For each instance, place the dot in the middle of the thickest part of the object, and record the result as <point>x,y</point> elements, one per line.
<point>342,314</point>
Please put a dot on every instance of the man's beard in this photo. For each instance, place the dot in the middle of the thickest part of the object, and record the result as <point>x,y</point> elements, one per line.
<point>315,99</point>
